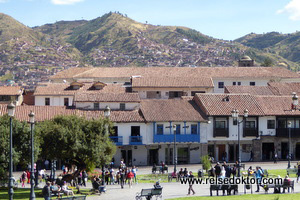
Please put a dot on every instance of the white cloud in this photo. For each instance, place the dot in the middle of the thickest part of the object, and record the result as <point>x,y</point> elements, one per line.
<point>293,9</point>
<point>64,2</point>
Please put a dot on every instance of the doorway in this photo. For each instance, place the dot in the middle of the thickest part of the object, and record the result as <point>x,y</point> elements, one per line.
<point>268,150</point>
<point>127,157</point>
<point>153,156</point>
<point>221,151</point>
<point>297,151</point>
<point>284,150</point>
<point>183,155</point>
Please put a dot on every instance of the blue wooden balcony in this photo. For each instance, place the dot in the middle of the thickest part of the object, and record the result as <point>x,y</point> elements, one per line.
<point>135,140</point>
<point>179,138</point>
<point>118,140</point>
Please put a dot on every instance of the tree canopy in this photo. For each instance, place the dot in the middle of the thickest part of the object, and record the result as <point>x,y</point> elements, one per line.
<point>21,143</point>
<point>76,140</point>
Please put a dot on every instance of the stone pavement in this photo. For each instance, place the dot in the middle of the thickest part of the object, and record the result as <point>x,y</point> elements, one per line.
<point>175,189</point>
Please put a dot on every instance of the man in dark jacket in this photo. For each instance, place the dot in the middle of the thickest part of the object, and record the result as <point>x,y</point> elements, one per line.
<point>46,191</point>
<point>218,169</point>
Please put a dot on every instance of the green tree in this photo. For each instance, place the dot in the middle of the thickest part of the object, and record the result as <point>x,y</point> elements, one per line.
<point>21,144</point>
<point>205,160</point>
<point>77,141</point>
<point>267,63</point>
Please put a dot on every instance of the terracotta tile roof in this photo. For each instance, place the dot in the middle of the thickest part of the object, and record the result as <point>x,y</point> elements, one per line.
<point>69,73</point>
<point>107,97</point>
<point>212,72</point>
<point>11,90</point>
<point>178,82</point>
<point>49,112</point>
<point>223,104</point>
<point>253,90</point>
<point>276,105</point>
<point>285,88</point>
<point>64,89</point>
<point>171,110</point>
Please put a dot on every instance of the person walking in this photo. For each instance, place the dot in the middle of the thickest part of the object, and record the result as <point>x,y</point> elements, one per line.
<point>46,191</point>
<point>122,177</point>
<point>258,176</point>
<point>218,169</point>
<point>298,173</point>
<point>191,182</point>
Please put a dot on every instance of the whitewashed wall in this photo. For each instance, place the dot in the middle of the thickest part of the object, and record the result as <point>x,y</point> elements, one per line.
<point>113,106</point>
<point>54,100</point>
<point>244,82</point>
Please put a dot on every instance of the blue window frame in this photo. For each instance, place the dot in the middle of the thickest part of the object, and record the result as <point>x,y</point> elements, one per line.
<point>194,129</point>
<point>160,129</point>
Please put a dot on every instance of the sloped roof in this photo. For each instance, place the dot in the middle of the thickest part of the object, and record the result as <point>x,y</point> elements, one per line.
<point>276,105</point>
<point>223,104</point>
<point>210,72</point>
<point>176,82</point>
<point>285,88</point>
<point>253,90</point>
<point>11,90</point>
<point>171,110</point>
<point>43,113</point>
<point>65,90</point>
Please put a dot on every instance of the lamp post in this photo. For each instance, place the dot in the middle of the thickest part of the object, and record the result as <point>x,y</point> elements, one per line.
<point>31,121</point>
<point>175,150</point>
<point>235,116</point>
<point>106,115</point>
<point>11,112</point>
<point>289,156</point>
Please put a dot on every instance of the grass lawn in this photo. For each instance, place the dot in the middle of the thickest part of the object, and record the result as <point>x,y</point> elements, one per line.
<point>24,193</point>
<point>294,196</point>
<point>152,178</point>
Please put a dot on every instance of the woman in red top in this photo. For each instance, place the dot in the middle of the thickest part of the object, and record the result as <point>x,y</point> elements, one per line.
<point>130,177</point>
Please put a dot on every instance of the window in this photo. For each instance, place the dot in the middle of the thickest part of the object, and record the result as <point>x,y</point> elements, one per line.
<point>5,98</point>
<point>122,106</point>
<point>194,92</point>
<point>47,101</point>
<point>135,131</point>
<point>239,83</point>
<point>96,106</point>
<point>252,83</point>
<point>175,94</point>
<point>233,83</point>
<point>178,128</point>
<point>194,129</point>
<point>281,123</point>
<point>250,124</point>
<point>160,129</point>
<point>271,124</point>
<point>115,131</point>
<point>66,101</point>
<point>220,124</point>
<point>221,85</point>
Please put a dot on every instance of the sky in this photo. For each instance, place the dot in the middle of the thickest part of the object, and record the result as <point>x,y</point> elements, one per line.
<point>222,19</point>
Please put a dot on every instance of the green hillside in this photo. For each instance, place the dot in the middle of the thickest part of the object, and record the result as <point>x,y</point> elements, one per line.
<point>284,45</point>
<point>10,29</point>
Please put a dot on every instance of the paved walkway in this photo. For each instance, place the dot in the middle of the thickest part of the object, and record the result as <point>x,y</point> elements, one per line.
<point>175,189</point>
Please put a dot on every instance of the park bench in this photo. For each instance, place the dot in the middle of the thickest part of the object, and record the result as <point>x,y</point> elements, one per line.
<point>149,193</point>
<point>158,169</point>
<point>224,188</point>
<point>72,198</point>
<point>172,176</point>
<point>284,186</point>
<point>248,187</point>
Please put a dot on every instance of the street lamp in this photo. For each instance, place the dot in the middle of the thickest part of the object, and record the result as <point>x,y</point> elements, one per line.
<point>11,112</point>
<point>289,156</point>
<point>31,121</point>
<point>235,116</point>
<point>106,115</point>
<point>175,150</point>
